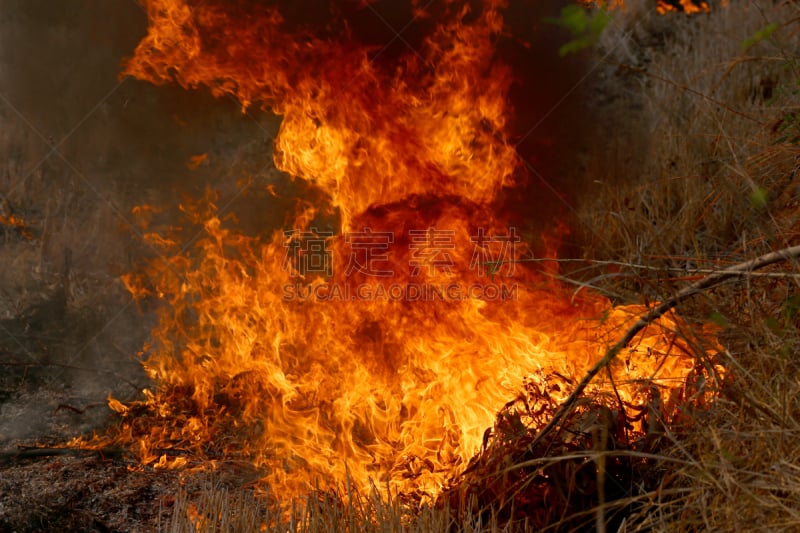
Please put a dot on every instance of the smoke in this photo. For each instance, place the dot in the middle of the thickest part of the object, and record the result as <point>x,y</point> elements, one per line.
<point>81,147</point>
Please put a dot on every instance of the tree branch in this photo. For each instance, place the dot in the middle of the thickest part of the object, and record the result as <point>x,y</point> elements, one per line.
<point>653,315</point>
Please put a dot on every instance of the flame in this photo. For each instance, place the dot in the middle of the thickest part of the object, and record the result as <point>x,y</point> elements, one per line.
<point>13,221</point>
<point>388,360</point>
<point>662,6</point>
<point>196,161</point>
<point>687,6</point>
<point>344,116</point>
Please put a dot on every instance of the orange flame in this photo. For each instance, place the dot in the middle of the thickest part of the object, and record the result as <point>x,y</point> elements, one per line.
<point>687,6</point>
<point>385,352</point>
<point>13,221</point>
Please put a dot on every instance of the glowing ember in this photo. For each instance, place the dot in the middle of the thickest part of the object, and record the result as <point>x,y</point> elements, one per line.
<point>385,350</point>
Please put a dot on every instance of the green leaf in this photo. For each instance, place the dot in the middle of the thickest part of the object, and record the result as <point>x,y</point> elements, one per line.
<point>599,22</point>
<point>585,28</point>
<point>760,35</point>
<point>573,18</point>
<point>773,324</point>
<point>575,45</point>
<point>719,319</point>
<point>758,198</point>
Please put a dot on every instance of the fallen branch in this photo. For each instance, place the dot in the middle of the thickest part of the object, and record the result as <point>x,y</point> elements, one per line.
<point>656,313</point>
<point>495,266</point>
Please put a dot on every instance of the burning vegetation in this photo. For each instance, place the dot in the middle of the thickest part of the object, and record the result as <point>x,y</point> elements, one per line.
<point>407,333</point>
<point>307,352</point>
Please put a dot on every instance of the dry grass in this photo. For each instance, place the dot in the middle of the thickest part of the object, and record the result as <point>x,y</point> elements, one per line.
<point>214,508</point>
<point>709,178</point>
<point>693,117</point>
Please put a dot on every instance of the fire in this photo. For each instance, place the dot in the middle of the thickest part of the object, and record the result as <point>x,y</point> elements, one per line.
<point>21,227</point>
<point>383,350</point>
<point>664,6</point>
<point>687,6</point>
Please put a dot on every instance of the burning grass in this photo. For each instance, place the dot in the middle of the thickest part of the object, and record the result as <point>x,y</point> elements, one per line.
<point>676,432</point>
<point>414,150</point>
<point>717,187</point>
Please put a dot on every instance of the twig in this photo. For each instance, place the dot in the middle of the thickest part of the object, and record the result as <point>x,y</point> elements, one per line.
<point>653,315</point>
<point>689,271</point>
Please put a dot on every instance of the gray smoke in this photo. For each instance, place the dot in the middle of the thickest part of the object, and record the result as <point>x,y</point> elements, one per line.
<point>81,147</point>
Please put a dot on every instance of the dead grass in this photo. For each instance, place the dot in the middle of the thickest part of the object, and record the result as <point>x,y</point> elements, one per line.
<point>710,180</point>
<point>214,508</point>
<point>693,145</point>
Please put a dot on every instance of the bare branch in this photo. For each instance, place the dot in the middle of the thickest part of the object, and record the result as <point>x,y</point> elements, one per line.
<point>656,313</point>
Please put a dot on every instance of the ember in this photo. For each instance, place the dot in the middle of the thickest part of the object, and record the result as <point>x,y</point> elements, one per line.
<point>306,351</point>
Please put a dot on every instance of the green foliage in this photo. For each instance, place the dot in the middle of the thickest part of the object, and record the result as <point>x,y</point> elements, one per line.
<point>585,28</point>
<point>773,324</point>
<point>719,319</point>
<point>762,34</point>
<point>759,197</point>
